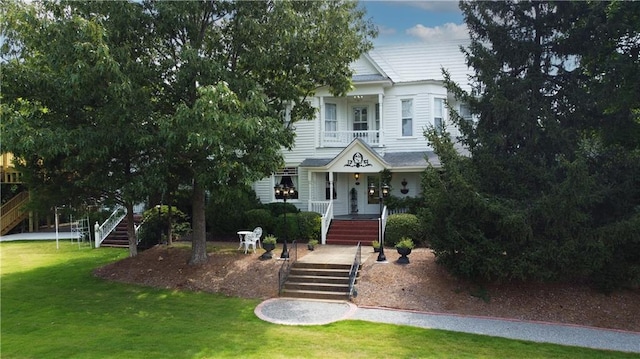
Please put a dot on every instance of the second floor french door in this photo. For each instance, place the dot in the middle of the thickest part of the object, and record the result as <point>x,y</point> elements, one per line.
<point>360,118</point>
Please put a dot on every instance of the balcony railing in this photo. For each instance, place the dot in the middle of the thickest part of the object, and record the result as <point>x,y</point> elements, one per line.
<point>343,138</point>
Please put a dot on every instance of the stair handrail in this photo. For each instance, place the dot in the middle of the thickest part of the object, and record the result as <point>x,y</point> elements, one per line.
<point>326,222</point>
<point>353,272</point>
<point>102,231</point>
<point>285,268</point>
<point>12,210</point>
<point>383,225</point>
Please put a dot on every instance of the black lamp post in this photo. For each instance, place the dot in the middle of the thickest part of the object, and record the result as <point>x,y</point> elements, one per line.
<point>284,191</point>
<point>383,192</point>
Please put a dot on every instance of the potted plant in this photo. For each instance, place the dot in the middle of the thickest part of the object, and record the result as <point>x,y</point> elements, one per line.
<point>404,247</point>
<point>376,246</point>
<point>311,245</point>
<point>269,244</point>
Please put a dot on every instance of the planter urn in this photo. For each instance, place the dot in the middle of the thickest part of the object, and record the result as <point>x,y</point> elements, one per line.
<point>403,252</point>
<point>268,247</point>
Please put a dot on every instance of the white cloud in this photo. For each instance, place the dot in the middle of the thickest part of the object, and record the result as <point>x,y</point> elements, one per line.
<point>448,31</point>
<point>386,30</point>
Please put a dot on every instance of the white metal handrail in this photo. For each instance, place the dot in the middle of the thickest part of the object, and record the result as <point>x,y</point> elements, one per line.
<point>102,231</point>
<point>326,222</point>
<point>383,225</point>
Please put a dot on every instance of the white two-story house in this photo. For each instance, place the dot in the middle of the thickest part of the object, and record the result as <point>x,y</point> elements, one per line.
<point>398,91</point>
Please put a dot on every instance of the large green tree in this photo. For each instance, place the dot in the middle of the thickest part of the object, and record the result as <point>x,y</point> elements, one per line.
<point>239,75</point>
<point>76,101</point>
<point>120,100</point>
<point>552,175</point>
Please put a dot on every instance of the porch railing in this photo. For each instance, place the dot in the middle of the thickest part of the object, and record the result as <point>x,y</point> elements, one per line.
<point>353,272</point>
<point>12,212</point>
<point>318,206</point>
<point>326,222</point>
<point>343,138</point>
<point>103,230</point>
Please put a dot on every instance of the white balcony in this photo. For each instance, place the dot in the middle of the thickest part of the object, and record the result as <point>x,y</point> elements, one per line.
<point>343,138</point>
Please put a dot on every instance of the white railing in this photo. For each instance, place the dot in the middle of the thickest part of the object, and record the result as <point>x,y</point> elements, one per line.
<point>318,206</point>
<point>102,231</point>
<point>326,222</point>
<point>343,138</point>
<point>398,210</point>
<point>383,225</point>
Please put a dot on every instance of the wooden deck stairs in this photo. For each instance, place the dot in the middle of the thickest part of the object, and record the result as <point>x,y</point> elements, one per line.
<point>118,237</point>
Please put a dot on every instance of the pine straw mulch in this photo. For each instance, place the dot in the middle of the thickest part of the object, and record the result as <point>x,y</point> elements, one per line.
<point>421,285</point>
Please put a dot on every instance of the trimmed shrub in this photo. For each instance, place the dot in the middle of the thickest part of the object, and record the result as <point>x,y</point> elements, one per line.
<point>401,225</point>
<point>309,224</point>
<point>260,218</point>
<point>278,208</point>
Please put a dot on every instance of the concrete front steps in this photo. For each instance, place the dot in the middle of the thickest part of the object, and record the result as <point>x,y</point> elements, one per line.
<point>318,281</point>
<point>350,232</point>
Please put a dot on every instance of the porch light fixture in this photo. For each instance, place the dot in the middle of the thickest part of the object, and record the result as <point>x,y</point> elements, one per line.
<point>383,192</point>
<point>284,191</point>
<point>357,178</point>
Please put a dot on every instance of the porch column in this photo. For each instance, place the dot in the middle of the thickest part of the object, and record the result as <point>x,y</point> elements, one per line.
<point>310,186</point>
<point>320,137</point>
<point>382,125</point>
<point>330,186</point>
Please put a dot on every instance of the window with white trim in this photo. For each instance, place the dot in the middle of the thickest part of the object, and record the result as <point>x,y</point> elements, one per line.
<point>465,113</point>
<point>438,115</point>
<point>407,117</point>
<point>331,118</point>
<point>287,176</point>
<point>360,118</point>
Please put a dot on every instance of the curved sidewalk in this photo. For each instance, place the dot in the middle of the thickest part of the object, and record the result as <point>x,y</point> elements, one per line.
<point>315,312</point>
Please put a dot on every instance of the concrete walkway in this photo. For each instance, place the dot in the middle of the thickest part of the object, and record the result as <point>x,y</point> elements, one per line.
<point>289,311</point>
<point>314,312</point>
<point>38,236</point>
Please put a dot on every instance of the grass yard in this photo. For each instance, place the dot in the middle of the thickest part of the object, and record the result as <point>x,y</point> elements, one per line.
<point>52,307</point>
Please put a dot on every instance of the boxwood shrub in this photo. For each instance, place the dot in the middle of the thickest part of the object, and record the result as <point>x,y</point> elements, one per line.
<point>401,225</point>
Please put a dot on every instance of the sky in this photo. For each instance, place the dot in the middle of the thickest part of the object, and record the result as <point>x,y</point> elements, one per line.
<point>402,22</point>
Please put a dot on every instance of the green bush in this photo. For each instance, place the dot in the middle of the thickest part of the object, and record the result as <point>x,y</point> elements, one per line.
<point>226,210</point>
<point>154,225</point>
<point>309,224</point>
<point>291,231</point>
<point>260,218</point>
<point>278,208</point>
<point>401,225</point>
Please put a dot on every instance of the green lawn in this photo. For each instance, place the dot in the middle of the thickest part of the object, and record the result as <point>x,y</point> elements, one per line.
<point>52,307</point>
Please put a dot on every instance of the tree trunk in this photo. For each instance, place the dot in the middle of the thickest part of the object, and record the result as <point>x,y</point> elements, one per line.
<point>131,232</point>
<point>199,239</point>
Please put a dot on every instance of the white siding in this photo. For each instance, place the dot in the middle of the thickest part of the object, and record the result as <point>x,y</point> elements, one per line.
<point>362,66</point>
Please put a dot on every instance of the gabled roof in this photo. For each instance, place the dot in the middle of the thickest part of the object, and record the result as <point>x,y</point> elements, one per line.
<point>420,61</point>
<point>360,157</point>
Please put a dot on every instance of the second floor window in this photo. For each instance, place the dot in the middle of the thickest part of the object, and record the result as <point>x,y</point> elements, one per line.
<point>360,120</point>
<point>465,112</point>
<point>407,118</point>
<point>438,115</point>
<point>330,117</point>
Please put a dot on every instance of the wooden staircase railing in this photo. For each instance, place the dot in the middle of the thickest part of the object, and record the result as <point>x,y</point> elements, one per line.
<point>12,212</point>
